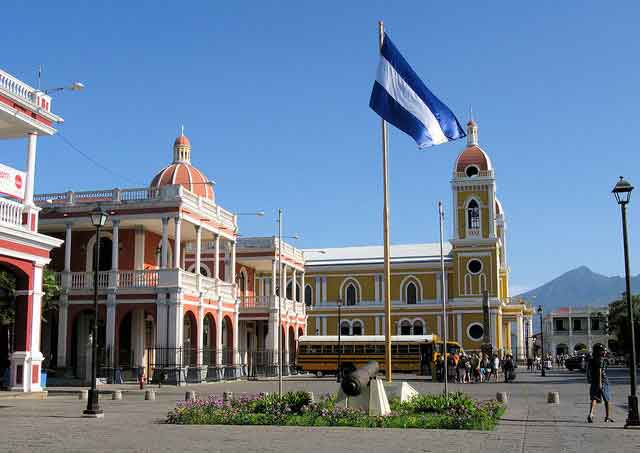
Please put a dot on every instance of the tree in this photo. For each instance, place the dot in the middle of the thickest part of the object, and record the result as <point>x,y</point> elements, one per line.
<point>50,290</point>
<point>619,323</point>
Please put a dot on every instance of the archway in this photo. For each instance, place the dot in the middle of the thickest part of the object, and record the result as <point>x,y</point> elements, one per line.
<point>14,312</point>
<point>106,248</point>
<point>209,340</point>
<point>81,344</point>
<point>189,339</point>
<point>292,345</point>
<point>562,349</point>
<point>227,341</point>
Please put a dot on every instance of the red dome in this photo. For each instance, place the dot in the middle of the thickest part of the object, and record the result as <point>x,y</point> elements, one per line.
<point>187,176</point>
<point>473,155</point>
<point>182,140</point>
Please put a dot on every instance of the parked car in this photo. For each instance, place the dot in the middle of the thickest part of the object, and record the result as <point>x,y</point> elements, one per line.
<point>576,362</point>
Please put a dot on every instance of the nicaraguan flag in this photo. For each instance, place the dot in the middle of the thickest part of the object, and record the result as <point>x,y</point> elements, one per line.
<point>402,99</point>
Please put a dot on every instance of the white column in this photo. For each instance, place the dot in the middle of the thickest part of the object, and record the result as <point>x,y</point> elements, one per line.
<point>67,247</point>
<point>589,342</point>
<point>285,358</point>
<point>63,320</point>
<point>438,286</point>
<point>439,320</point>
<point>114,244</point>
<point>110,330</point>
<point>32,139</point>
<point>294,291</point>
<point>137,337</point>
<point>283,282</point>
<point>318,291</point>
<point>530,340</point>
<point>232,264</point>
<point>200,332</point>
<point>177,242</point>
<point>165,242</point>
<point>376,290</point>
<point>324,290</point>
<point>219,336</point>
<point>302,288</point>
<point>520,338</point>
<point>459,327</point>
<point>36,312</point>
<point>377,319</point>
<point>115,250</point>
<point>138,259</point>
<point>236,335</point>
<point>198,248</point>
<point>216,263</point>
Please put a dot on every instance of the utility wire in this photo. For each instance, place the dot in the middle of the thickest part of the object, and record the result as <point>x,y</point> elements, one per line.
<point>93,161</point>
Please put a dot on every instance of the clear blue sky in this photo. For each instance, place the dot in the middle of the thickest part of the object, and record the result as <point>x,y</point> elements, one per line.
<point>274,97</point>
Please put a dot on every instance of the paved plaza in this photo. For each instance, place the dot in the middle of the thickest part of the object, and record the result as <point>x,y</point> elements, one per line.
<point>530,424</point>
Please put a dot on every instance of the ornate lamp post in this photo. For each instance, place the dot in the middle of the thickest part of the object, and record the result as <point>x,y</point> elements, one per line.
<point>98,219</point>
<point>541,340</point>
<point>622,192</point>
<point>339,370</point>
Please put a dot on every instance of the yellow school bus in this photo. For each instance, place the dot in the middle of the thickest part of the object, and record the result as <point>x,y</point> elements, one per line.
<point>413,354</point>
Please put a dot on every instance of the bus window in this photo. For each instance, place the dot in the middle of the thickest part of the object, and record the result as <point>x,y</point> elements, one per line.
<point>358,349</point>
<point>303,349</point>
<point>379,349</point>
<point>371,349</point>
<point>327,349</point>
<point>316,349</point>
<point>403,349</point>
<point>347,349</point>
<point>414,348</point>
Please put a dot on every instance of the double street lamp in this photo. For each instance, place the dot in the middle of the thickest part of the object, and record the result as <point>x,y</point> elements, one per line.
<point>541,340</point>
<point>622,192</point>
<point>93,410</point>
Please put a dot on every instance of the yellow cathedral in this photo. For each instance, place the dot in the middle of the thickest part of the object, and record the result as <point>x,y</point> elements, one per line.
<point>475,261</point>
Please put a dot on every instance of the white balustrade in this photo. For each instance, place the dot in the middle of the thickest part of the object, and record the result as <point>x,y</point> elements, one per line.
<point>11,212</point>
<point>24,92</point>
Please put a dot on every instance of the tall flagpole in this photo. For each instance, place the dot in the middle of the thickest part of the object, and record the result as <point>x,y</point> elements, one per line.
<point>387,253</point>
<point>443,291</point>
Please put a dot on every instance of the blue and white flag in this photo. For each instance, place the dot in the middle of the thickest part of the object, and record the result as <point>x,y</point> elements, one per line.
<point>402,99</point>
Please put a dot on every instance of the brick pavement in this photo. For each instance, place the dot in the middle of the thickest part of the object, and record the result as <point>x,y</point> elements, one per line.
<point>530,424</point>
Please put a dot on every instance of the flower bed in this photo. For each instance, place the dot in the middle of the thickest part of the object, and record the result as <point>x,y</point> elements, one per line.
<point>457,411</point>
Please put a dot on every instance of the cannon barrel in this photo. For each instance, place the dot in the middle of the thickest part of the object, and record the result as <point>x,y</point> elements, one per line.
<point>354,382</point>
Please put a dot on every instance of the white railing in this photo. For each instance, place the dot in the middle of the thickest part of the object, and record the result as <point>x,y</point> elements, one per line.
<point>139,195</point>
<point>138,279</point>
<point>252,302</point>
<point>481,173</point>
<point>23,91</point>
<point>11,212</point>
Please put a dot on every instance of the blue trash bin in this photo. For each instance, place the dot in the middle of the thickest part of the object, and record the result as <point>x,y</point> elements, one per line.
<point>43,379</point>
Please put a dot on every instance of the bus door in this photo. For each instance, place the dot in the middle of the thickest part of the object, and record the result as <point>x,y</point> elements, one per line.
<point>426,356</point>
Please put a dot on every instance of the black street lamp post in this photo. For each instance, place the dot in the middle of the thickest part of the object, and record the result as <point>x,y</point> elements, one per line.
<point>622,192</point>
<point>339,370</point>
<point>93,410</point>
<point>541,341</point>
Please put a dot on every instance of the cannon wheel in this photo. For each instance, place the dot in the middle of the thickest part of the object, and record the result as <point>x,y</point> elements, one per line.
<point>319,374</point>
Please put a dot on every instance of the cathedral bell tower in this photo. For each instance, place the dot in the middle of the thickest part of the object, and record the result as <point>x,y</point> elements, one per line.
<point>478,224</point>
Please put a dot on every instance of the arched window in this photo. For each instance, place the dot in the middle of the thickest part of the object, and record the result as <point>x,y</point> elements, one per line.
<point>412,293</point>
<point>405,328</point>
<point>290,291</point>
<point>345,328</point>
<point>351,294</point>
<point>357,328</point>
<point>242,283</point>
<point>473,215</point>
<point>308,296</point>
<point>418,327</point>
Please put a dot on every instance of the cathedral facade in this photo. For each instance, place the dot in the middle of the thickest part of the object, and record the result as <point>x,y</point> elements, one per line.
<point>475,261</point>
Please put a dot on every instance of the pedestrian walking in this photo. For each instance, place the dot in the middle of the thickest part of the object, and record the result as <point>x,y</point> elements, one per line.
<point>599,389</point>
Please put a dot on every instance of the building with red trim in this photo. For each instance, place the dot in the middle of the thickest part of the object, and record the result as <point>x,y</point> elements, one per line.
<point>181,297</point>
<point>25,113</point>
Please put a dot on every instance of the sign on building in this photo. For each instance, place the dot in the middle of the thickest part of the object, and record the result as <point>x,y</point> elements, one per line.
<point>12,182</point>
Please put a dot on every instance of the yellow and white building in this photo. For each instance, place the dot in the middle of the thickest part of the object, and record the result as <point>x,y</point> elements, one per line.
<point>475,260</point>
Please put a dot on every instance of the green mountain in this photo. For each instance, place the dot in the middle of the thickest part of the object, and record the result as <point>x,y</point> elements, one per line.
<point>579,287</point>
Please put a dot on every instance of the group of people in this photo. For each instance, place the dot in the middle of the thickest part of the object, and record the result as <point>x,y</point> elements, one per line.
<point>535,363</point>
<point>476,368</point>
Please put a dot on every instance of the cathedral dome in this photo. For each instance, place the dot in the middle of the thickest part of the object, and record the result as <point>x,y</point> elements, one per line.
<point>472,159</point>
<point>180,171</point>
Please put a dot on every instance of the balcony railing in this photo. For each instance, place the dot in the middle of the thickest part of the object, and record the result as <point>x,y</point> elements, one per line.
<point>265,303</point>
<point>11,212</point>
<point>139,195</point>
<point>147,279</point>
<point>24,92</point>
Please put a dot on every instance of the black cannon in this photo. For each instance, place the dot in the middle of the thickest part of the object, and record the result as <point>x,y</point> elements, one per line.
<point>354,382</point>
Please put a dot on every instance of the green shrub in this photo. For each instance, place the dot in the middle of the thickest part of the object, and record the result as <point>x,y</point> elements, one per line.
<point>456,411</point>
